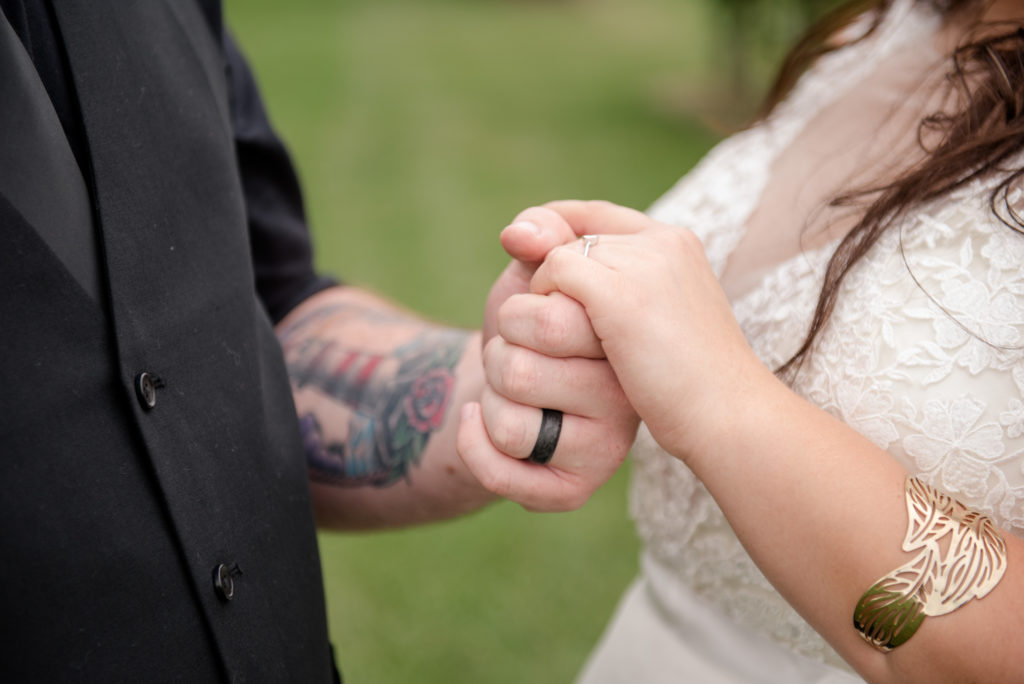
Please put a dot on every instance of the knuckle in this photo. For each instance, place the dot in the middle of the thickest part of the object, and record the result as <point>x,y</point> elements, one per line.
<point>492,349</point>
<point>518,376</point>
<point>507,309</point>
<point>494,359</point>
<point>517,305</point>
<point>508,317</point>
<point>559,265</point>
<point>558,258</point>
<point>552,328</point>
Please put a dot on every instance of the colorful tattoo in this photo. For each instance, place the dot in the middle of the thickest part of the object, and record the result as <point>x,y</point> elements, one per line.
<point>393,402</point>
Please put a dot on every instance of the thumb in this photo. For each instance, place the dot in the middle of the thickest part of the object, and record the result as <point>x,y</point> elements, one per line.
<point>528,239</point>
<point>534,233</point>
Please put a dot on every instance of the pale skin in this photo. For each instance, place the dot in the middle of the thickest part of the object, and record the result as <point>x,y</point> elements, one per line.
<point>819,508</point>
<point>380,391</point>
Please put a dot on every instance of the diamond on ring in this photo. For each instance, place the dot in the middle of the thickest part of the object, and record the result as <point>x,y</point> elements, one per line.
<point>588,242</point>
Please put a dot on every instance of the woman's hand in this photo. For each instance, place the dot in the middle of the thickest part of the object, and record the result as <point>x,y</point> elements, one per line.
<point>820,509</point>
<point>662,319</point>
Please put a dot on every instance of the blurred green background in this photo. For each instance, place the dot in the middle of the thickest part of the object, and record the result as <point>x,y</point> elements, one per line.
<point>420,128</point>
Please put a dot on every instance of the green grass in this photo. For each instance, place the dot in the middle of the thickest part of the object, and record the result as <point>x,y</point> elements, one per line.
<point>420,127</point>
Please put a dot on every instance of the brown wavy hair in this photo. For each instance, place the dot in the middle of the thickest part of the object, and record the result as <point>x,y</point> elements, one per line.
<point>977,136</point>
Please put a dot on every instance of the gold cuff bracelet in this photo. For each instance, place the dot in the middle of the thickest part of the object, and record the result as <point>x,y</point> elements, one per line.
<point>935,582</point>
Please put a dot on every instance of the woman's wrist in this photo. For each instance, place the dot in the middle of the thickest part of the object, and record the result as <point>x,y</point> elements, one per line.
<point>730,416</point>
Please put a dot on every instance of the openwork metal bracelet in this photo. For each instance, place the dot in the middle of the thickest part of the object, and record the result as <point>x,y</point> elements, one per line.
<point>962,557</point>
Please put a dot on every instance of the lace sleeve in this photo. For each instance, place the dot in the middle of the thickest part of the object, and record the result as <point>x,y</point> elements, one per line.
<point>925,353</point>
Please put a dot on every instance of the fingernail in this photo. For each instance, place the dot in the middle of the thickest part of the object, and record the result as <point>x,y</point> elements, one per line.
<point>466,412</point>
<point>527,225</point>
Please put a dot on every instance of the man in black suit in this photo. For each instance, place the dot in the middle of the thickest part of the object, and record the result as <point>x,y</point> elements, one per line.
<point>157,516</point>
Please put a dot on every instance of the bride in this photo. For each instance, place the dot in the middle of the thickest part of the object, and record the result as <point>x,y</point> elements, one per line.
<point>831,357</point>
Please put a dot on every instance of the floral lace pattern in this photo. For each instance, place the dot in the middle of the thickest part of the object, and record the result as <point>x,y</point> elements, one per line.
<point>924,353</point>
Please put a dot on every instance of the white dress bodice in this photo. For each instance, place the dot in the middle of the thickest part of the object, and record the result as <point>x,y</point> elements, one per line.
<point>923,354</point>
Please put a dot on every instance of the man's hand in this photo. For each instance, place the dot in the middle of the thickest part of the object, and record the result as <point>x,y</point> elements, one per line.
<point>377,389</point>
<point>541,353</point>
<point>528,239</point>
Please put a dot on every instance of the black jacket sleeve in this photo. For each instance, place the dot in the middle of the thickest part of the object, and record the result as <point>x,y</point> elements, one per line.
<point>281,246</point>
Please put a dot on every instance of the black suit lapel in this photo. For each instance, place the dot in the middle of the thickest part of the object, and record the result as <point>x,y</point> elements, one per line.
<point>150,83</point>
<point>39,176</point>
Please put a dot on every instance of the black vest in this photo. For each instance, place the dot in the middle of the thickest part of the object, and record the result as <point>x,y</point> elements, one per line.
<point>133,506</point>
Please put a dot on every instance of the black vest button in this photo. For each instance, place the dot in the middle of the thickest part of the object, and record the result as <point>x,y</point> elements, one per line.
<point>145,389</point>
<point>223,582</point>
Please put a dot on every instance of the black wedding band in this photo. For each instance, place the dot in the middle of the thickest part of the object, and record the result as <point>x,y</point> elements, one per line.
<point>547,438</point>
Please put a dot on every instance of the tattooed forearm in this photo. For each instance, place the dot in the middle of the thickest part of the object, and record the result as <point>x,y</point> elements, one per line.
<point>367,414</point>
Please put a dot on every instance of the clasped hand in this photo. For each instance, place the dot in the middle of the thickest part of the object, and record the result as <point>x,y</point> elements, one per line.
<point>637,327</point>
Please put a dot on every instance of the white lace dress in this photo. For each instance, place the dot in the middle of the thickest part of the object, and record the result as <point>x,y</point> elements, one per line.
<point>924,355</point>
